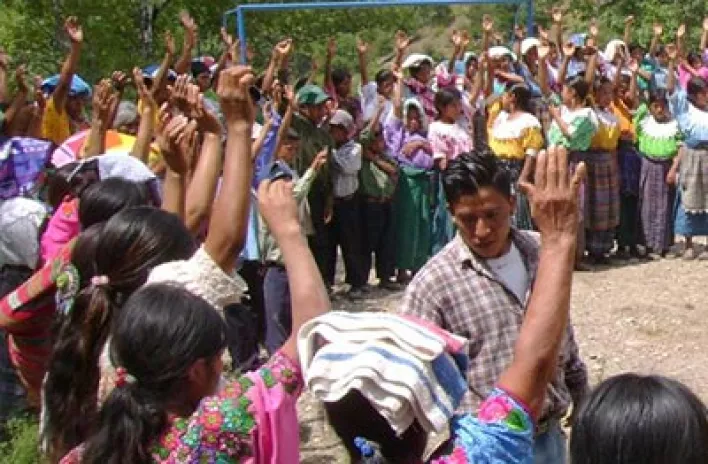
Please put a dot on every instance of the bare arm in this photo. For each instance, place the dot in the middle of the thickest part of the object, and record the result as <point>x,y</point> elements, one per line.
<point>257,144</point>
<point>103,101</point>
<point>141,147</point>
<point>487,30</point>
<point>401,42</point>
<point>557,27</point>
<point>628,23</point>
<point>76,35</point>
<point>175,136</point>
<point>554,203</point>
<point>20,98</point>
<point>592,67</point>
<point>160,79</point>
<point>229,219</point>
<point>202,188</point>
<point>4,62</point>
<point>184,63</point>
<point>704,36</point>
<point>287,119</point>
<point>657,30</point>
<point>397,97</point>
<point>331,51</point>
<point>671,78</point>
<point>308,295</point>
<point>362,48</point>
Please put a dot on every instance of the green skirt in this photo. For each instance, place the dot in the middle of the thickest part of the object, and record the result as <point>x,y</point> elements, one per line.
<point>412,211</point>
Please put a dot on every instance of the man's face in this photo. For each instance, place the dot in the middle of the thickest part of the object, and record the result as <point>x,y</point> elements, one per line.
<point>289,150</point>
<point>483,221</point>
<point>315,113</point>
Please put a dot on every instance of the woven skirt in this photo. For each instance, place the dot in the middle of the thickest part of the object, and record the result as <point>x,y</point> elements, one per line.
<point>600,200</point>
<point>656,204</point>
<point>522,214</point>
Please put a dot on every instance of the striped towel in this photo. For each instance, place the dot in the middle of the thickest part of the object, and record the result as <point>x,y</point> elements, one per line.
<point>406,370</point>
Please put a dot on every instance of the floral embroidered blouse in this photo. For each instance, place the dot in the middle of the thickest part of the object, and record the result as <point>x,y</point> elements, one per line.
<point>656,140</point>
<point>449,140</point>
<point>502,432</point>
<point>251,420</point>
<point>513,138</point>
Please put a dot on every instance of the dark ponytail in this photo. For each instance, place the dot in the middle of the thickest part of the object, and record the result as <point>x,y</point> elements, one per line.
<point>159,334</point>
<point>131,243</point>
<point>522,97</point>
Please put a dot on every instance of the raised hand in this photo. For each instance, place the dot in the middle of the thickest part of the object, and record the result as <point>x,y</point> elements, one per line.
<point>170,134</point>
<point>397,72</point>
<point>672,51</point>
<point>119,80</point>
<point>554,195</point>
<point>629,20</point>
<point>543,52</point>
<point>4,58</point>
<point>20,73</point>
<point>594,29</point>
<point>519,31</point>
<point>206,120</point>
<point>233,94</point>
<point>283,48</point>
<point>361,46</point>
<point>658,29</point>
<point>73,29</point>
<point>705,24</point>
<point>187,20</point>
<point>460,39</point>
<point>487,23</point>
<point>557,15</point>
<point>143,93</point>
<point>103,100</point>
<point>170,47</point>
<point>39,99</point>
<point>320,159</point>
<point>681,31</point>
<point>331,47</point>
<point>543,33</point>
<point>633,66</point>
<point>402,41</point>
<point>178,93</point>
<point>276,204</point>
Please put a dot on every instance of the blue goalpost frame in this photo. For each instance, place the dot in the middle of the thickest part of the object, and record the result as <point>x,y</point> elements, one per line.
<point>240,10</point>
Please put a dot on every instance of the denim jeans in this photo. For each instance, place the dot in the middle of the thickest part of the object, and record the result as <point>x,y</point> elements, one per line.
<point>550,446</point>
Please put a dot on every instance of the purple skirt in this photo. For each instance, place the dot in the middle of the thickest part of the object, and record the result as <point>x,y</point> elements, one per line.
<point>656,203</point>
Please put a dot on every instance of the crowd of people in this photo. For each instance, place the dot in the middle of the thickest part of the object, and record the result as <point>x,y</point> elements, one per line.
<point>152,252</point>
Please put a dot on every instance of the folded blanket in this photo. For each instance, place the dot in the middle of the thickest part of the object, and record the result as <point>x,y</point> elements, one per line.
<point>406,370</point>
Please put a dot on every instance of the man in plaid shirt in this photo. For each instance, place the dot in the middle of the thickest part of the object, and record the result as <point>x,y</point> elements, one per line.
<point>478,287</point>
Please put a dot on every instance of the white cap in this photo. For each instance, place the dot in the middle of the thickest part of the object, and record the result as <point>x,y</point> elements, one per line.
<point>416,59</point>
<point>528,43</point>
<point>342,118</point>
<point>500,51</point>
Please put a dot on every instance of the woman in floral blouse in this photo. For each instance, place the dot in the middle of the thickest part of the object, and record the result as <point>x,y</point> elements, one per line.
<point>168,406</point>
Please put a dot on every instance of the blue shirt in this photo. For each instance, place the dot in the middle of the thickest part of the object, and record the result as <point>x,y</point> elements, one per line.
<point>692,122</point>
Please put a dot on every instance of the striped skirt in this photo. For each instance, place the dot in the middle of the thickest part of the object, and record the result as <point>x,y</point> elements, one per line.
<point>656,201</point>
<point>693,180</point>
<point>600,199</point>
<point>522,214</point>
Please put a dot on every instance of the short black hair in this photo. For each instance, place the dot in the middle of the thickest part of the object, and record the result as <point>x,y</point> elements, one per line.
<point>382,76</point>
<point>633,418</point>
<point>660,50</point>
<point>635,46</point>
<point>695,86</point>
<point>340,75</point>
<point>469,172</point>
<point>580,86</point>
<point>658,95</point>
<point>446,96</point>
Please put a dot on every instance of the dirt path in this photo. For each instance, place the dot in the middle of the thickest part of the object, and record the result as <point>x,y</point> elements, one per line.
<point>649,318</point>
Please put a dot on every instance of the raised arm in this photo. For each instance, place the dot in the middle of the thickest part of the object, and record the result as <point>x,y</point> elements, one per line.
<point>554,206</point>
<point>280,53</point>
<point>401,43</point>
<point>68,69</point>
<point>704,36</point>
<point>397,97</point>
<point>202,187</point>
<point>308,296</point>
<point>633,85</point>
<point>4,62</point>
<point>20,98</point>
<point>557,27</point>
<point>229,219</point>
<point>628,23</point>
<point>680,36</point>
<point>119,80</point>
<point>257,144</point>
<point>35,126</point>
<point>175,137</point>
<point>361,49</point>
<point>141,147</point>
<point>160,79</point>
<point>457,39</point>
<point>184,63</point>
<point>592,68</point>
<point>568,52</point>
<point>230,52</point>
<point>543,52</point>
<point>672,51</point>
<point>487,31</point>
<point>287,118</point>
<point>103,100</point>
<point>657,32</point>
<point>331,51</point>
<point>478,84</point>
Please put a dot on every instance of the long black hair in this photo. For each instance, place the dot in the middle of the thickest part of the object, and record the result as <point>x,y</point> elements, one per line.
<point>632,418</point>
<point>131,243</point>
<point>522,97</point>
<point>157,336</point>
<point>101,200</point>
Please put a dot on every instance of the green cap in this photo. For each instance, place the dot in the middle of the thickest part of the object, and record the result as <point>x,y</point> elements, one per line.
<point>311,94</point>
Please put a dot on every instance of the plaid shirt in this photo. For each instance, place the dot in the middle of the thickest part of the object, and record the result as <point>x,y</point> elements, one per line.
<point>456,291</point>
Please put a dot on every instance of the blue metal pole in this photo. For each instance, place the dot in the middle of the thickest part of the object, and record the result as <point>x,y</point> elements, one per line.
<point>241,30</point>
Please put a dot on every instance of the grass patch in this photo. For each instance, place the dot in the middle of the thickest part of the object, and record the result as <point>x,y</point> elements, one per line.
<point>21,442</point>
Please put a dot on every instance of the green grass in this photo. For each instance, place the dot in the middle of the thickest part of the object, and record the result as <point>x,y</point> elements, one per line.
<point>21,445</point>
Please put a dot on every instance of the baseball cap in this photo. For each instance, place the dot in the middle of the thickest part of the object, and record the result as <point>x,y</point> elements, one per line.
<point>311,94</point>
<point>528,43</point>
<point>343,119</point>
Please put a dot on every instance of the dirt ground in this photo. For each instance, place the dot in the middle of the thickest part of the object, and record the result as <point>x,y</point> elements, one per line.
<point>648,317</point>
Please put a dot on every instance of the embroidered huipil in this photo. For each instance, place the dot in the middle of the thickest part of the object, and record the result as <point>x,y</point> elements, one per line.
<point>656,140</point>
<point>515,138</point>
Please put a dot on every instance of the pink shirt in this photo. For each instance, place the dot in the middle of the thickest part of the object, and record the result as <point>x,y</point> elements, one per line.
<point>685,75</point>
<point>449,140</point>
<point>62,227</point>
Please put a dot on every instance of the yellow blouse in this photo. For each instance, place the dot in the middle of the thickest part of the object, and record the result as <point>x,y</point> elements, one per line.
<point>55,123</point>
<point>608,131</point>
<point>515,138</point>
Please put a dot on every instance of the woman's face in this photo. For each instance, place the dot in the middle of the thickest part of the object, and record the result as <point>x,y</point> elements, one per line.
<point>568,95</point>
<point>604,95</point>
<point>413,121</point>
<point>344,88</point>
<point>508,101</point>
<point>451,112</point>
<point>424,73</point>
<point>386,87</point>
<point>660,110</point>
